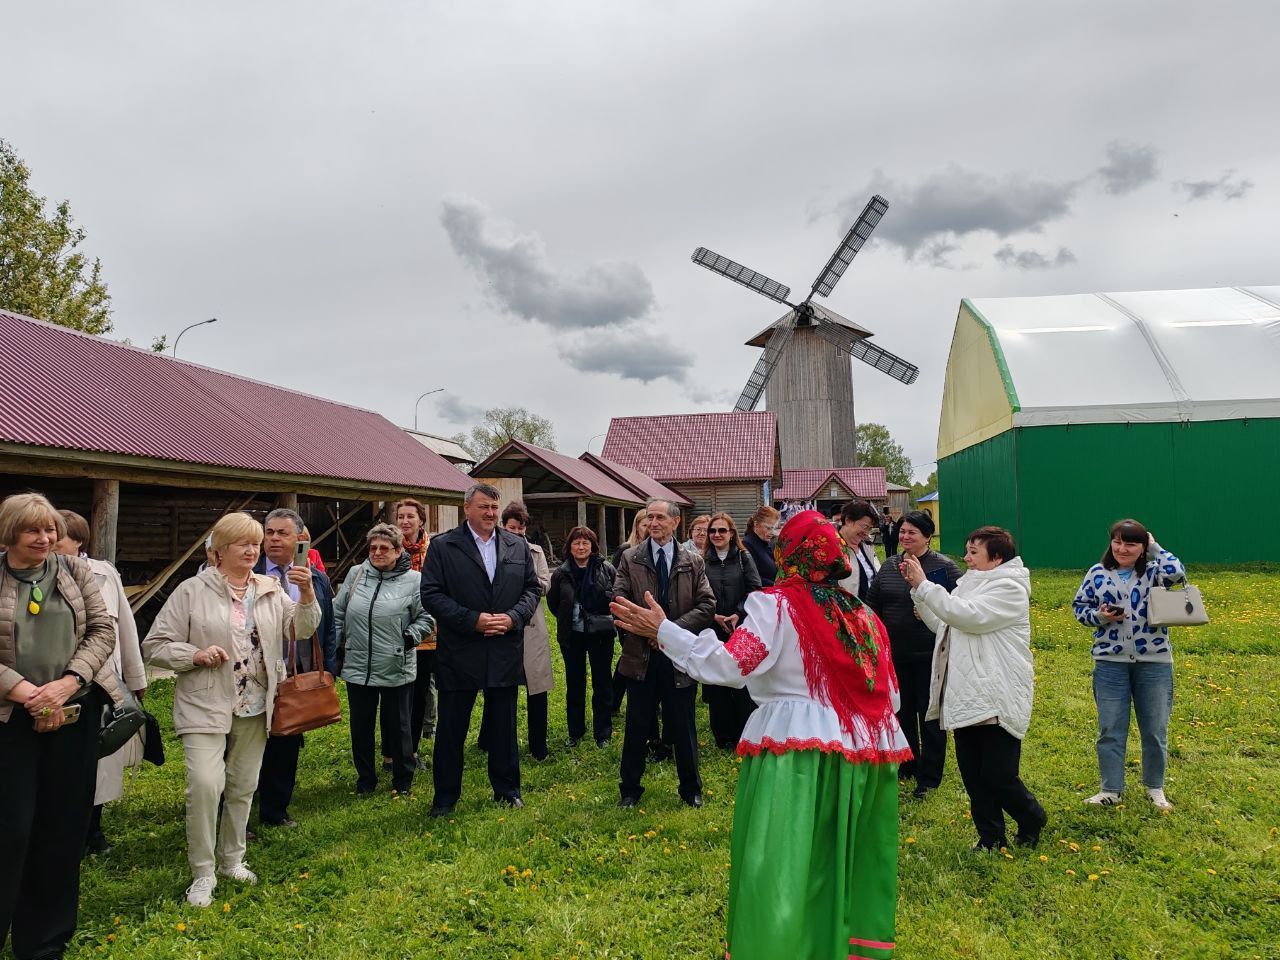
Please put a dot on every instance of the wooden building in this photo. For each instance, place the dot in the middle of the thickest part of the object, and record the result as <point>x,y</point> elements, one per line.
<point>153,450</point>
<point>726,462</point>
<point>826,489</point>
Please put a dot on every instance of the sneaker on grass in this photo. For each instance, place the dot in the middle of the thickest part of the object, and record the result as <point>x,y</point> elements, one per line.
<point>240,873</point>
<point>1159,799</point>
<point>1104,798</point>
<point>200,893</point>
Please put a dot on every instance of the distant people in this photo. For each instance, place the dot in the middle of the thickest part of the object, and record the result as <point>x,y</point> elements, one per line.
<point>56,639</point>
<point>282,531</point>
<point>381,621</point>
<point>480,584</point>
<point>815,823</point>
<point>1132,660</point>
<point>126,663</point>
<point>856,521</point>
<point>913,642</point>
<point>733,577</point>
<point>411,518</point>
<point>889,532</point>
<point>697,541</point>
<point>761,530</point>
<point>539,678</point>
<point>225,632</point>
<point>983,679</point>
<point>579,596</point>
<point>677,580</point>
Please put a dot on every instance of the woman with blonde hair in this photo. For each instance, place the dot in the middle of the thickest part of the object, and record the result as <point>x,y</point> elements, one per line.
<point>224,632</point>
<point>761,529</point>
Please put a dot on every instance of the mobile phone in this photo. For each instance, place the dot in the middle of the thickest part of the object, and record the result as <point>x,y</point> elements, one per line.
<point>301,554</point>
<point>70,713</point>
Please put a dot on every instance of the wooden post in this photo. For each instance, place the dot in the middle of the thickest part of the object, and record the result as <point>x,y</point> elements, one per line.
<point>582,512</point>
<point>624,529</point>
<point>106,514</point>
<point>602,515</point>
<point>287,500</point>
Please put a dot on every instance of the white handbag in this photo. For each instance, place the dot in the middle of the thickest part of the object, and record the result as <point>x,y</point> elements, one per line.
<point>1167,607</point>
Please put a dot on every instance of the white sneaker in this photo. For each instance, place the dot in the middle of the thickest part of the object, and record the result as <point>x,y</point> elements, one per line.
<point>240,873</point>
<point>1159,799</point>
<point>1104,798</point>
<point>200,893</point>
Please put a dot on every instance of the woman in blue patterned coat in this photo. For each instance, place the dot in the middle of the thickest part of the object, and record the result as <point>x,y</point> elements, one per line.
<point>1133,663</point>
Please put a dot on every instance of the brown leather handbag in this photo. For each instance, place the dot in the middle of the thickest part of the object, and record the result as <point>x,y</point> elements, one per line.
<point>305,701</point>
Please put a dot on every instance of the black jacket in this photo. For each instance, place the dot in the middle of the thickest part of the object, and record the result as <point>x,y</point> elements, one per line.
<point>560,594</point>
<point>889,534</point>
<point>731,580</point>
<point>890,597</point>
<point>762,554</point>
<point>327,632</point>
<point>456,590</point>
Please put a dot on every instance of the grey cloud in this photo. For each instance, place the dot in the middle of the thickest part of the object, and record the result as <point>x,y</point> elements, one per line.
<point>519,279</point>
<point>628,352</point>
<point>1228,186</point>
<point>1128,167</point>
<point>456,410</point>
<point>1007,256</point>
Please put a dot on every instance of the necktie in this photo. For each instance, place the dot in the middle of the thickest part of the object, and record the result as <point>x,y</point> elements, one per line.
<point>664,576</point>
<point>284,579</point>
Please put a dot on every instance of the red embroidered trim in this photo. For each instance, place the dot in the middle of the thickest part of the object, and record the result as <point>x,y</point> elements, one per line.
<point>865,755</point>
<point>746,648</point>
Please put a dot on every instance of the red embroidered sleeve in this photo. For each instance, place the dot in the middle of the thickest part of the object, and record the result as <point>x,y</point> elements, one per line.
<point>747,649</point>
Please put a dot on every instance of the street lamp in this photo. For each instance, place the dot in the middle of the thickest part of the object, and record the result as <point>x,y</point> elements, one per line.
<point>190,327</point>
<point>418,401</point>
<point>593,440</point>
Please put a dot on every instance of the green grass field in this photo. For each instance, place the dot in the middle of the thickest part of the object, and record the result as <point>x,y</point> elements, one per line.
<point>573,876</point>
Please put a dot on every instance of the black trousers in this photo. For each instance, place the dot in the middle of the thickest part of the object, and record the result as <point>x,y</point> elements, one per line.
<point>46,798</point>
<point>277,777</point>
<point>397,708</point>
<point>423,705</point>
<point>535,717</point>
<point>928,741</point>
<point>729,708</point>
<point>498,724</point>
<point>643,697</point>
<point>579,651</point>
<point>988,759</point>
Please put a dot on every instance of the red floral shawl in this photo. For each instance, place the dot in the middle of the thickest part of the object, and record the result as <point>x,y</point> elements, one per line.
<point>845,646</point>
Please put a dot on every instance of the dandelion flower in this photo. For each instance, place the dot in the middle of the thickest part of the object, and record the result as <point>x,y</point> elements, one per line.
<point>911,840</point>
<point>1211,872</point>
<point>1071,873</point>
<point>1093,876</point>
<point>1043,858</point>
<point>226,908</point>
<point>181,928</point>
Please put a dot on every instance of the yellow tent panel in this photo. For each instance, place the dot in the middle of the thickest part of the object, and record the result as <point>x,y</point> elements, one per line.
<point>978,399</point>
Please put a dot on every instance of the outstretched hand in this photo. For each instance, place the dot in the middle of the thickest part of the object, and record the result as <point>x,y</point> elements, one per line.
<point>642,621</point>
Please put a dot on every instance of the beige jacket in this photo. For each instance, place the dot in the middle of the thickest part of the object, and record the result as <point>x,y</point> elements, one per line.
<point>198,616</point>
<point>539,676</point>
<point>95,633</point>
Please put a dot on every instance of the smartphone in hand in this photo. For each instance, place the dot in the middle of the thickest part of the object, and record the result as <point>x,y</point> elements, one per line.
<point>302,554</point>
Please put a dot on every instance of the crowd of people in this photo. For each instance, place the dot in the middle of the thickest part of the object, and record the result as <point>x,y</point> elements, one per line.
<point>834,674</point>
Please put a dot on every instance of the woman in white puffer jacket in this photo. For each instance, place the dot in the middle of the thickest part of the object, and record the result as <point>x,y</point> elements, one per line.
<point>982,684</point>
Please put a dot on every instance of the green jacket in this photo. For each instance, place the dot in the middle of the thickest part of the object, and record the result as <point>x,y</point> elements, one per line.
<point>373,612</point>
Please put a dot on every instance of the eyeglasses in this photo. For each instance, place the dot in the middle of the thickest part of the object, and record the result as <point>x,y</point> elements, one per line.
<point>380,548</point>
<point>718,531</point>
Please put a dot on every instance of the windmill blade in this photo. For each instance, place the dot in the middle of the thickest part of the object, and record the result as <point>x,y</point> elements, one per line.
<point>764,366</point>
<point>740,274</point>
<point>857,346</point>
<point>850,246</point>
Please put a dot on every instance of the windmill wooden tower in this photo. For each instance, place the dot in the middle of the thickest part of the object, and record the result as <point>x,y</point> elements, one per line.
<point>806,359</point>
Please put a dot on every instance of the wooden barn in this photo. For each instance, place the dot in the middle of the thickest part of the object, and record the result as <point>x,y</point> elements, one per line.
<point>152,450</point>
<point>825,489</point>
<point>720,461</point>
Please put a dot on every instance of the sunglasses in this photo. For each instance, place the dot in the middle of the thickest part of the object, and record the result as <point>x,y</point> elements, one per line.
<point>718,530</point>
<point>380,548</point>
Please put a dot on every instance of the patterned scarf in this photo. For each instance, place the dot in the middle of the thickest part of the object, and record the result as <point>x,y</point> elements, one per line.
<point>844,644</point>
<point>417,551</point>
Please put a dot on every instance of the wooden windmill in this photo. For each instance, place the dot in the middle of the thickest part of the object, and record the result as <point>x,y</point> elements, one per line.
<point>806,359</point>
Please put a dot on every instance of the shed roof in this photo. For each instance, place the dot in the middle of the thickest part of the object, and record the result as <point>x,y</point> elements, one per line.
<point>929,497</point>
<point>68,390</point>
<point>761,338</point>
<point>451,450</point>
<point>548,471</point>
<point>642,484</point>
<point>865,482</point>
<point>692,447</point>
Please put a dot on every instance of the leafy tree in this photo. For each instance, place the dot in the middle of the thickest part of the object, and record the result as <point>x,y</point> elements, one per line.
<point>42,274</point>
<point>876,448</point>
<point>919,490</point>
<point>505,423</point>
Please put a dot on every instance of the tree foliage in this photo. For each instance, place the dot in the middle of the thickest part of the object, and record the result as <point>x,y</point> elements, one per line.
<point>42,273</point>
<point>876,448</point>
<point>919,490</point>
<point>505,423</point>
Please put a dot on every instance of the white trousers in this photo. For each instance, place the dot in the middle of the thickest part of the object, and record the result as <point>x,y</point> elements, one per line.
<point>221,765</point>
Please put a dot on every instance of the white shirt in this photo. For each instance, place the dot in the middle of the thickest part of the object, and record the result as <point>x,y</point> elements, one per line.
<point>488,551</point>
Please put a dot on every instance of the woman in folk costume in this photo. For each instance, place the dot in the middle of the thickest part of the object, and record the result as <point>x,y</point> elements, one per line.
<point>815,836</point>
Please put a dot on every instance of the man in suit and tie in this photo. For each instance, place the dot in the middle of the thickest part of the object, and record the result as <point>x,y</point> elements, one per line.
<point>478,581</point>
<point>677,579</point>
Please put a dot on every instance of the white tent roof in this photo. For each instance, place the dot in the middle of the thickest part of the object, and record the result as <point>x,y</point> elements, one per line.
<point>1160,355</point>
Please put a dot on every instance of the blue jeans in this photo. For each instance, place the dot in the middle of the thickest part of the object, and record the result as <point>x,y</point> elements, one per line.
<point>1149,687</point>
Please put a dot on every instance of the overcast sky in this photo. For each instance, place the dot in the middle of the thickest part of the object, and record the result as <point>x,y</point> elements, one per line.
<point>501,199</point>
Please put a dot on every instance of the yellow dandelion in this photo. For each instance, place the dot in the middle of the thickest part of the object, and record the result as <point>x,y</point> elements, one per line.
<point>1096,848</point>
<point>111,938</point>
<point>1211,872</point>
<point>1093,876</point>
<point>1071,873</point>
<point>226,908</point>
<point>297,926</point>
<point>911,840</point>
<point>116,921</point>
<point>181,928</point>
<point>1043,858</point>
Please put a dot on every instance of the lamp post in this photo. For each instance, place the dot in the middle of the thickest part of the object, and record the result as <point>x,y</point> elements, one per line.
<point>190,327</point>
<point>593,440</point>
<point>418,401</point>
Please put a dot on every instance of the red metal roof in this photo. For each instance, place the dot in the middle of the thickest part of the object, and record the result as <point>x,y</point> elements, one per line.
<point>866,482</point>
<point>696,446</point>
<point>644,485</point>
<point>584,477</point>
<point>72,391</point>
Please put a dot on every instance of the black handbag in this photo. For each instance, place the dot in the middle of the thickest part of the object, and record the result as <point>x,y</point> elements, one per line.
<point>119,724</point>
<point>152,742</point>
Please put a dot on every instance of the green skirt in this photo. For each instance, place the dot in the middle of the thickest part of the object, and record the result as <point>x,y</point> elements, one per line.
<point>814,871</point>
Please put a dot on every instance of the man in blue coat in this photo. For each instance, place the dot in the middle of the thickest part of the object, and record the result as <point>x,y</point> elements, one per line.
<point>478,581</point>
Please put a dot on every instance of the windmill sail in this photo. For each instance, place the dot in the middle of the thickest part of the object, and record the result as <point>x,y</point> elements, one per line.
<point>849,247</point>
<point>856,346</point>
<point>740,274</point>
<point>764,366</point>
